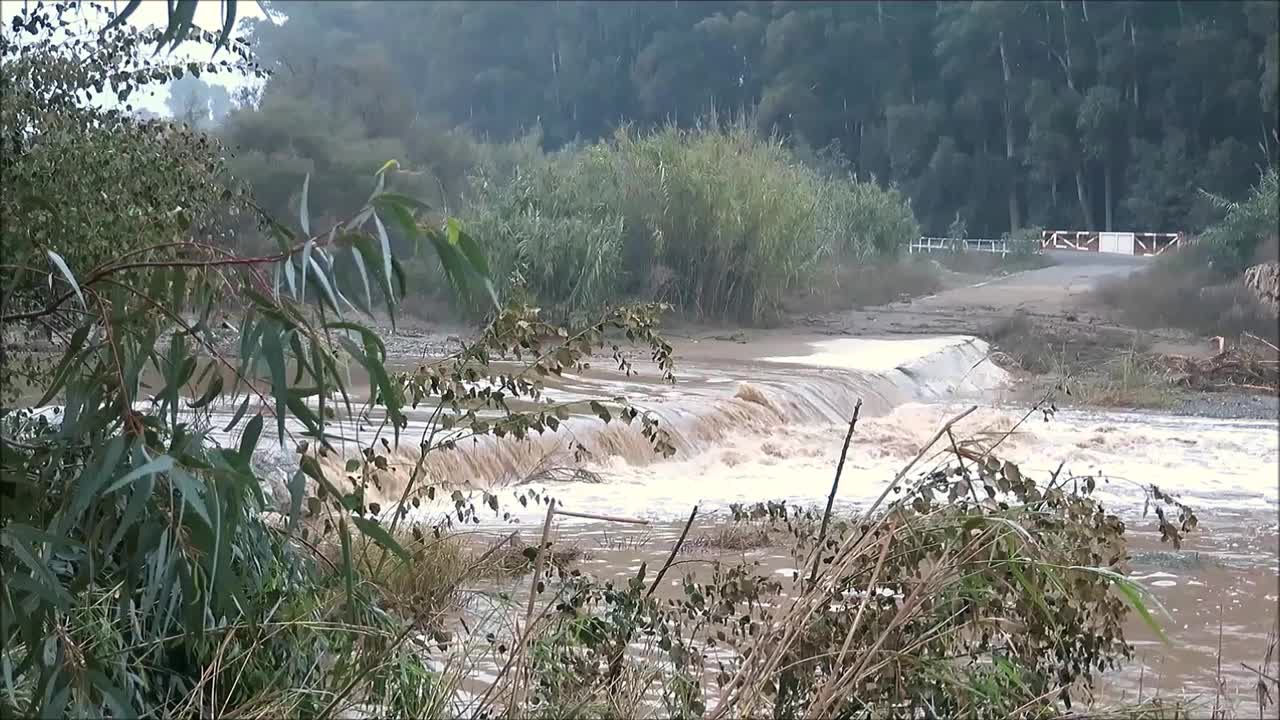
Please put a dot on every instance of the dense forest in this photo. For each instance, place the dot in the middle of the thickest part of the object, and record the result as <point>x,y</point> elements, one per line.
<point>988,115</point>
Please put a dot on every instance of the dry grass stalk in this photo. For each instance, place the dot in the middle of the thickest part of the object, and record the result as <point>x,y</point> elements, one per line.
<point>517,694</point>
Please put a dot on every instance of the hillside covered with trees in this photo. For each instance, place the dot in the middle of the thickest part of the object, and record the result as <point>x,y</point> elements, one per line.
<point>990,116</point>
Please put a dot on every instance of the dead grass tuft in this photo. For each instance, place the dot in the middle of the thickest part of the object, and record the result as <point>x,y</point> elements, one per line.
<point>735,537</point>
<point>422,588</point>
<point>1091,369</point>
<point>1129,380</point>
<point>1043,349</point>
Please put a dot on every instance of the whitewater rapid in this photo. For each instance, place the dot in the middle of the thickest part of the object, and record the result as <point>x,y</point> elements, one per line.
<point>771,428</point>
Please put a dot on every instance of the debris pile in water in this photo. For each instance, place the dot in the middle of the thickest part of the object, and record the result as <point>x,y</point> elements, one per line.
<point>1234,367</point>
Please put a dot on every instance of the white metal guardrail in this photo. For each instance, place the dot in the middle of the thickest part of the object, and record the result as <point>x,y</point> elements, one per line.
<point>941,244</point>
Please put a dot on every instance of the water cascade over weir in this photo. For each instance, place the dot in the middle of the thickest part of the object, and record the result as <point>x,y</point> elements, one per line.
<point>815,390</point>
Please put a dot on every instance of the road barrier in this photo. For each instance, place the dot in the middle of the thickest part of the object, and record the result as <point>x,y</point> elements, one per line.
<point>1120,243</point>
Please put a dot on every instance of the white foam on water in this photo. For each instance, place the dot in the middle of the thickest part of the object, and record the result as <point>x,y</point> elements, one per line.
<point>872,355</point>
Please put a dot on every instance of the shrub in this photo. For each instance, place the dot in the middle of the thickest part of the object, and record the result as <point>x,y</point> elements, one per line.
<point>1248,227</point>
<point>165,181</point>
<point>865,220</point>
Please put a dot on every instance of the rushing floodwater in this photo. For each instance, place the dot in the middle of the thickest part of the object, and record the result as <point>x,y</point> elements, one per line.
<point>765,422</point>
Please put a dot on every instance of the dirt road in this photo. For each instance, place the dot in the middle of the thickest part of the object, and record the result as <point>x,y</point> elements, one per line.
<point>1057,294</point>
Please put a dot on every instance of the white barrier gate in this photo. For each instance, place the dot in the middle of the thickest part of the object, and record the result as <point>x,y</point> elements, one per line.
<point>1116,242</point>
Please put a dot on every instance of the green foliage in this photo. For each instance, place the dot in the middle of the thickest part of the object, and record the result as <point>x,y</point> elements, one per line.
<point>1024,242</point>
<point>136,558</point>
<point>59,151</point>
<point>1233,243</point>
<point>719,221</point>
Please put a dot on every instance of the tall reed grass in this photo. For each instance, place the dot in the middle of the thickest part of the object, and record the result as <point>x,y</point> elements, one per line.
<point>720,221</point>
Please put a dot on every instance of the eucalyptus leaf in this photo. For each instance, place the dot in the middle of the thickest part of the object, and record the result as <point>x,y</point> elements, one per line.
<point>61,265</point>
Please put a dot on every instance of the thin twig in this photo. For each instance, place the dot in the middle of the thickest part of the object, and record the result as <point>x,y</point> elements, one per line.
<point>606,518</point>
<point>1218,681</point>
<point>831,497</point>
<point>1016,425</point>
<point>1264,342</point>
<point>517,696</point>
<point>973,492</point>
<point>675,549</point>
<point>1259,673</point>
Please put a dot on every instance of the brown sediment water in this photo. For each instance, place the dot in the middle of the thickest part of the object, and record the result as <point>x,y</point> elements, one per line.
<point>765,422</point>
<point>1215,600</point>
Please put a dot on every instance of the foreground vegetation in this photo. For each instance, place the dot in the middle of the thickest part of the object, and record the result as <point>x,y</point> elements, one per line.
<point>144,571</point>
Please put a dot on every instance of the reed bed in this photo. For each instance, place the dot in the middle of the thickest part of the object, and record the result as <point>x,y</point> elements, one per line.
<point>719,221</point>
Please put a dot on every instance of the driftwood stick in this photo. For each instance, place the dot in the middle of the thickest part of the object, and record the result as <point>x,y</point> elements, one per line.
<point>1264,342</point>
<point>540,560</point>
<point>675,549</point>
<point>606,518</point>
<point>831,497</point>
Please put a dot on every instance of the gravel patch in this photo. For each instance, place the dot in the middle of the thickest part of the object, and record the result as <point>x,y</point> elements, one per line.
<point>1228,405</point>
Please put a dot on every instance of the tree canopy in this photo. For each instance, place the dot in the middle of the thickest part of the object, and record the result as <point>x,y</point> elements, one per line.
<point>1073,114</point>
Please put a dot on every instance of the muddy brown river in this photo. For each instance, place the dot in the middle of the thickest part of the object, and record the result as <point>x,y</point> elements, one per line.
<point>765,422</point>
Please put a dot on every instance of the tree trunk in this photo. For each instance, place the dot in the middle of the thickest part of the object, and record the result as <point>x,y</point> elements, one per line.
<point>1066,47</point>
<point>1106,189</point>
<point>1015,217</point>
<point>1082,194</point>
<point>1133,51</point>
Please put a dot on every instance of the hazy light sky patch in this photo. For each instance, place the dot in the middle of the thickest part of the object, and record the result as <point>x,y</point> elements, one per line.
<point>153,12</point>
